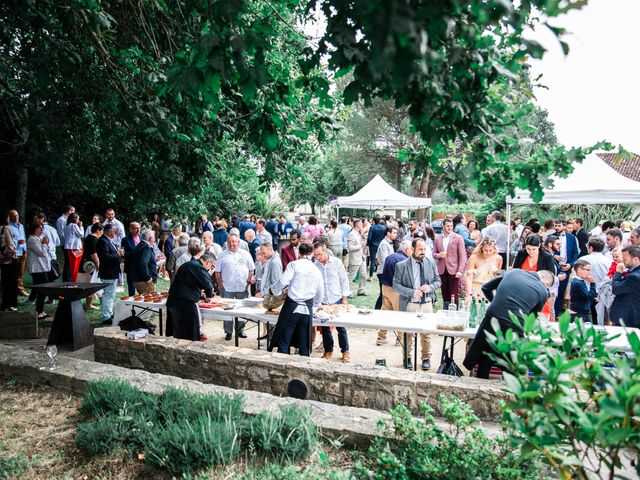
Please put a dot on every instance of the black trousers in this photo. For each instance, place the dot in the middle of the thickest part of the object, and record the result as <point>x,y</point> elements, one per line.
<point>9,285</point>
<point>39,278</point>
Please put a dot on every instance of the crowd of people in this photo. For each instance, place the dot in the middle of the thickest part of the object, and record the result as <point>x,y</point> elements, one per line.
<point>309,263</point>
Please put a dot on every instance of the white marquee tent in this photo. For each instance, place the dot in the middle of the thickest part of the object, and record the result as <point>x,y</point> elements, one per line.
<point>379,194</point>
<point>591,182</point>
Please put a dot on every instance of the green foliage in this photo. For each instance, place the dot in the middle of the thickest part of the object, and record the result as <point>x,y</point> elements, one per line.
<point>413,448</point>
<point>185,432</point>
<point>13,466</point>
<point>575,401</point>
<point>284,437</point>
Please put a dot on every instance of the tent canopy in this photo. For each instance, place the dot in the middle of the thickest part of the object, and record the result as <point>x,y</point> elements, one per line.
<point>591,182</point>
<point>379,194</point>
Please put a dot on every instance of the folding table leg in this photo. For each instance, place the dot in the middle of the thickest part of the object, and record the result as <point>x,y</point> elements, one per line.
<point>415,352</point>
<point>405,352</point>
<point>160,316</point>
<point>235,328</point>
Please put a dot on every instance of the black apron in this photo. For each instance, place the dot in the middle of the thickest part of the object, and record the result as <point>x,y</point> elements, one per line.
<point>286,313</point>
<point>183,320</point>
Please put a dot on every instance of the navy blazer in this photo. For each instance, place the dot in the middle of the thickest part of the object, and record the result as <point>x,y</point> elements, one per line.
<point>376,234</point>
<point>573,251</point>
<point>626,305</point>
<point>583,239</point>
<point>128,245</point>
<point>144,266</point>
<point>109,259</point>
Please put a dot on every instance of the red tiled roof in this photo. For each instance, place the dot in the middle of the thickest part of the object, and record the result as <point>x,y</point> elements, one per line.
<point>629,167</point>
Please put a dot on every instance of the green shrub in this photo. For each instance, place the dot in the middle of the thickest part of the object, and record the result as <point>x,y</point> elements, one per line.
<point>175,405</point>
<point>111,396</point>
<point>100,435</point>
<point>194,444</point>
<point>288,436</point>
<point>416,448</point>
<point>574,400</point>
<point>185,432</point>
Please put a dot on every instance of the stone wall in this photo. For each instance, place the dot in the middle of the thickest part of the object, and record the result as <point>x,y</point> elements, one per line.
<point>14,325</point>
<point>361,386</point>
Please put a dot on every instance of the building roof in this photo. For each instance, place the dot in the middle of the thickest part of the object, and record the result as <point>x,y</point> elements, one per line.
<point>629,167</point>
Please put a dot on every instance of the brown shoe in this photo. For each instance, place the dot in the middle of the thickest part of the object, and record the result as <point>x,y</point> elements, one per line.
<point>327,355</point>
<point>346,357</point>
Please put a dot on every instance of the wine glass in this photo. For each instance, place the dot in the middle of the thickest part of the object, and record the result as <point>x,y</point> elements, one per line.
<point>52,352</point>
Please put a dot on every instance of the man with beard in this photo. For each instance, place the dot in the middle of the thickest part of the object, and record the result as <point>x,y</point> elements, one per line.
<point>416,281</point>
<point>569,253</point>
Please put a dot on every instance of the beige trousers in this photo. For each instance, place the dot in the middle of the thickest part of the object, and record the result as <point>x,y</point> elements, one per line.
<point>353,271</point>
<point>390,301</point>
<point>425,339</point>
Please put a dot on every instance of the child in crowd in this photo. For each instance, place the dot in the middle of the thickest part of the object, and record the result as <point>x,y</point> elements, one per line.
<point>583,291</point>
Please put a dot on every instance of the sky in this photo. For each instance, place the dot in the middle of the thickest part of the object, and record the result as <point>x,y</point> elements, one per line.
<point>593,92</point>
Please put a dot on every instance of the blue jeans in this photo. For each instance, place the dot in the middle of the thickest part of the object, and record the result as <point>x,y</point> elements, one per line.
<point>108,295</point>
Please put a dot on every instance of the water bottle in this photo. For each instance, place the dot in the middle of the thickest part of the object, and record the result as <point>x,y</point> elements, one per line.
<point>452,305</point>
<point>482,310</point>
<point>473,312</point>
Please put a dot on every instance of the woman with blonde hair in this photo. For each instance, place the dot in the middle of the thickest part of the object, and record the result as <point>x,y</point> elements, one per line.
<point>484,264</point>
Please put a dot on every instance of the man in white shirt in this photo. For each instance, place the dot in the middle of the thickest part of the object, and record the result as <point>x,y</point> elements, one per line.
<point>62,221</point>
<point>384,250</point>
<point>600,264</point>
<point>262,235</point>
<point>110,218</point>
<point>336,291</point>
<point>234,273</point>
<point>499,232</point>
<point>357,261</point>
<point>305,290</point>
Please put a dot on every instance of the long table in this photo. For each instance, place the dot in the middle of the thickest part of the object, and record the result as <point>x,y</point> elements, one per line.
<point>405,322</point>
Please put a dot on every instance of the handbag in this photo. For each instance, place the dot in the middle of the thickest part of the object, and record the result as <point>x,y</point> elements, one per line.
<point>6,256</point>
<point>54,273</point>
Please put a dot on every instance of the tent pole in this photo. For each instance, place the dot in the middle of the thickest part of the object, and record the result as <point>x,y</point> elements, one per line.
<point>508,236</point>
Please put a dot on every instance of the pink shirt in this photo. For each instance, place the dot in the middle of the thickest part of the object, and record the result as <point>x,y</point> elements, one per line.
<point>136,239</point>
<point>314,230</point>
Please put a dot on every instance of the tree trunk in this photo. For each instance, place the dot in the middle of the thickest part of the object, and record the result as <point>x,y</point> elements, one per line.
<point>423,187</point>
<point>22,177</point>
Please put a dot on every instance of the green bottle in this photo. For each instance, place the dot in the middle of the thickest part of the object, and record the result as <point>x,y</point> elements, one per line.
<point>473,312</point>
<point>482,310</point>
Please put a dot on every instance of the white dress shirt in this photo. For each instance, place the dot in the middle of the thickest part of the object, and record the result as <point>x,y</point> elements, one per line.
<point>445,242</point>
<point>54,240</point>
<point>384,250</point>
<point>600,265</point>
<point>120,234</point>
<point>334,277</point>
<point>264,237</point>
<point>303,281</point>
<point>500,233</point>
<point>234,267</point>
<point>73,236</point>
<point>60,224</point>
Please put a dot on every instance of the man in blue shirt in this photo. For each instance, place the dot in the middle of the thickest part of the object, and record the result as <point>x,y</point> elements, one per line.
<point>270,226</point>
<point>245,225</point>
<point>20,241</point>
<point>344,227</point>
<point>391,298</point>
